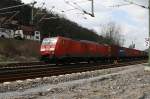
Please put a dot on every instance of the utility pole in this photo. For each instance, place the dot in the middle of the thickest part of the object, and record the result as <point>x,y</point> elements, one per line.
<point>147,68</point>
<point>149,36</point>
<point>92,8</point>
<point>32,8</point>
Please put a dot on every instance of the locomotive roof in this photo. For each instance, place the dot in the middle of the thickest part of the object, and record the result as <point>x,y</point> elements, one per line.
<point>87,41</point>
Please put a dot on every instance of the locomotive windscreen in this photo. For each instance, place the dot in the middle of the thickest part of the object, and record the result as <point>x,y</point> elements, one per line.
<point>47,41</point>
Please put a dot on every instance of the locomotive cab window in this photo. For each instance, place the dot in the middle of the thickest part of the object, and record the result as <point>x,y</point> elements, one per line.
<point>49,41</point>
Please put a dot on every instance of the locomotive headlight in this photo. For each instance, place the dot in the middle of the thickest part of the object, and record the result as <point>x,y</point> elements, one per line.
<point>42,49</point>
<point>51,49</point>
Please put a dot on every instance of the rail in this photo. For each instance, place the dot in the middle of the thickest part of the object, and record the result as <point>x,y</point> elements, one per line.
<point>33,70</point>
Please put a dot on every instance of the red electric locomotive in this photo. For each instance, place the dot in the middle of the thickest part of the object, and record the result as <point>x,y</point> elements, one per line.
<point>61,48</point>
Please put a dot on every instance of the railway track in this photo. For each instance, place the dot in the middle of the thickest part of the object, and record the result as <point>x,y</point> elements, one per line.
<point>22,64</point>
<point>21,71</point>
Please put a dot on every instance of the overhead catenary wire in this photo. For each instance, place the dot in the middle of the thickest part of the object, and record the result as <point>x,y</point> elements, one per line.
<point>92,8</point>
<point>67,2</point>
<point>11,17</point>
<point>130,3</point>
<point>64,11</point>
<point>86,1</point>
<point>12,7</point>
<point>118,5</point>
<point>76,6</point>
<point>70,9</point>
<point>8,12</point>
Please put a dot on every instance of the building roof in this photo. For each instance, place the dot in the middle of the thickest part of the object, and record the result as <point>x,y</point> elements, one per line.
<point>28,30</point>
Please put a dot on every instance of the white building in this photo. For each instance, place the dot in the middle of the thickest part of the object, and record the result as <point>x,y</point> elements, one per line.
<point>25,32</point>
<point>29,32</point>
<point>6,33</point>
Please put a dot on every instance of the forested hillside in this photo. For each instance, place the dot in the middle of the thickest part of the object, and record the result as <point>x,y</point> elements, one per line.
<point>24,11</point>
<point>53,27</point>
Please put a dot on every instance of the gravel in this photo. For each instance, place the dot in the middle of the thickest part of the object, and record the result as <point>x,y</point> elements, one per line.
<point>130,82</point>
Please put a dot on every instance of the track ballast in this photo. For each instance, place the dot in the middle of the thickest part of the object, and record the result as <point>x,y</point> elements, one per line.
<point>21,71</point>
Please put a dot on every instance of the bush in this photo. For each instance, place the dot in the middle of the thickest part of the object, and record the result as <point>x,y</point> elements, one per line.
<point>11,48</point>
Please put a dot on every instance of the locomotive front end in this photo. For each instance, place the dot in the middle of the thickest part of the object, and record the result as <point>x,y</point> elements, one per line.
<point>48,46</point>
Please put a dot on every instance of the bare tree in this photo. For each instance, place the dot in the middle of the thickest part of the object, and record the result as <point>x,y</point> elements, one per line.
<point>112,32</point>
<point>132,46</point>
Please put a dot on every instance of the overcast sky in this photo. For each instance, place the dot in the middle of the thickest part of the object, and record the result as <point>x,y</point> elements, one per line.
<point>132,18</point>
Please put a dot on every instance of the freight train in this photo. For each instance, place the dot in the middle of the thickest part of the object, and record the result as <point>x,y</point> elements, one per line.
<point>62,49</point>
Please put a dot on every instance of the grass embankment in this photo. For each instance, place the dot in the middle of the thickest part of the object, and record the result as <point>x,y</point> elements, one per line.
<point>19,50</point>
